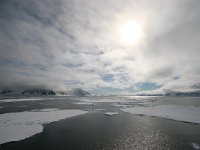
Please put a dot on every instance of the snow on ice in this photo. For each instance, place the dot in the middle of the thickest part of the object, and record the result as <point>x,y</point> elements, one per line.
<point>174,112</point>
<point>21,125</point>
<point>111,113</point>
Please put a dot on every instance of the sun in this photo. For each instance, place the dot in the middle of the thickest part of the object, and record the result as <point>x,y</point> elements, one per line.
<point>130,32</point>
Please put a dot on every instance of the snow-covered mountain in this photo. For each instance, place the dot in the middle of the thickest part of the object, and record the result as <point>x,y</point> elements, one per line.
<point>37,92</point>
<point>171,94</point>
<point>79,92</point>
<point>183,94</point>
<point>43,92</point>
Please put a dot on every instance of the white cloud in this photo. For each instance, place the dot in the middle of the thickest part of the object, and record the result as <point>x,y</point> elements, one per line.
<point>46,43</point>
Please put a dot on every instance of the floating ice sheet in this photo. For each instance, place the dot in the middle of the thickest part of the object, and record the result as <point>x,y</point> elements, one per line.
<point>21,99</point>
<point>195,145</point>
<point>100,109</point>
<point>21,125</point>
<point>111,113</point>
<point>175,112</point>
<point>117,101</point>
<point>84,103</point>
<point>28,99</point>
<point>103,100</point>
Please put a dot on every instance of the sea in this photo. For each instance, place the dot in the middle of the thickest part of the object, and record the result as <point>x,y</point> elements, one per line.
<point>100,123</point>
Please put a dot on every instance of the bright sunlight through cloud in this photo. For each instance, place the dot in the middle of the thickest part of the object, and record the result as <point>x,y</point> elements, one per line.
<point>130,32</point>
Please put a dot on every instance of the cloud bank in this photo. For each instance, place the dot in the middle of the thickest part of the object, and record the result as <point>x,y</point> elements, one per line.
<point>64,44</point>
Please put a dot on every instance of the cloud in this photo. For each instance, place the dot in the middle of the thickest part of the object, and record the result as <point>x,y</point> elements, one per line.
<point>62,44</point>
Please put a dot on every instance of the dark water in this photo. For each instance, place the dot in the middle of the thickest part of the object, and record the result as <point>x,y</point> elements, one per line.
<point>96,131</point>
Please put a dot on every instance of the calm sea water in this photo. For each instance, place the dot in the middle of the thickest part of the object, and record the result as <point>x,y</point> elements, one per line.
<point>96,131</point>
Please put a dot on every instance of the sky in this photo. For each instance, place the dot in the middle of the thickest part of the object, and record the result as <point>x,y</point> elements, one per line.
<point>65,44</point>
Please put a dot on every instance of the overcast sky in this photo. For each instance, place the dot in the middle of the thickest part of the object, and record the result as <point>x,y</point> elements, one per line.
<point>64,44</point>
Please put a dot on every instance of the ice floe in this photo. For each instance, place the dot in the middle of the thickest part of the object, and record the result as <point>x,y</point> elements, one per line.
<point>111,113</point>
<point>103,100</point>
<point>175,112</point>
<point>195,145</point>
<point>100,109</point>
<point>84,103</point>
<point>27,99</point>
<point>21,125</point>
<point>20,99</point>
<point>131,104</point>
<point>117,101</point>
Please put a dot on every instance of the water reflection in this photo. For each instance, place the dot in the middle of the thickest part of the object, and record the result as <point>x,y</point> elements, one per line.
<point>140,138</point>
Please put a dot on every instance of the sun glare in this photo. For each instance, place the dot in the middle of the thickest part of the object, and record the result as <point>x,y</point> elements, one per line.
<point>130,32</point>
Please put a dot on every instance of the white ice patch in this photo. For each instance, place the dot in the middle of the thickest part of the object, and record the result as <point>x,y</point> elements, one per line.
<point>21,125</point>
<point>84,103</point>
<point>195,145</point>
<point>27,99</point>
<point>19,100</point>
<point>104,100</point>
<point>118,101</point>
<point>100,109</point>
<point>130,104</point>
<point>175,112</point>
<point>111,113</point>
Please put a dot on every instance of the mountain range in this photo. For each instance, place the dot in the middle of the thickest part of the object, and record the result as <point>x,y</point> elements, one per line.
<point>196,93</point>
<point>44,92</point>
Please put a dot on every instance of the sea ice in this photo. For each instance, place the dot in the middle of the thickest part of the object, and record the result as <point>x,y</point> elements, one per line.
<point>111,113</point>
<point>100,109</point>
<point>20,99</point>
<point>175,112</point>
<point>104,100</point>
<point>118,101</point>
<point>84,103</point>
<point>27,99</point>
<point>21,125</point>
<point>195,145</point>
